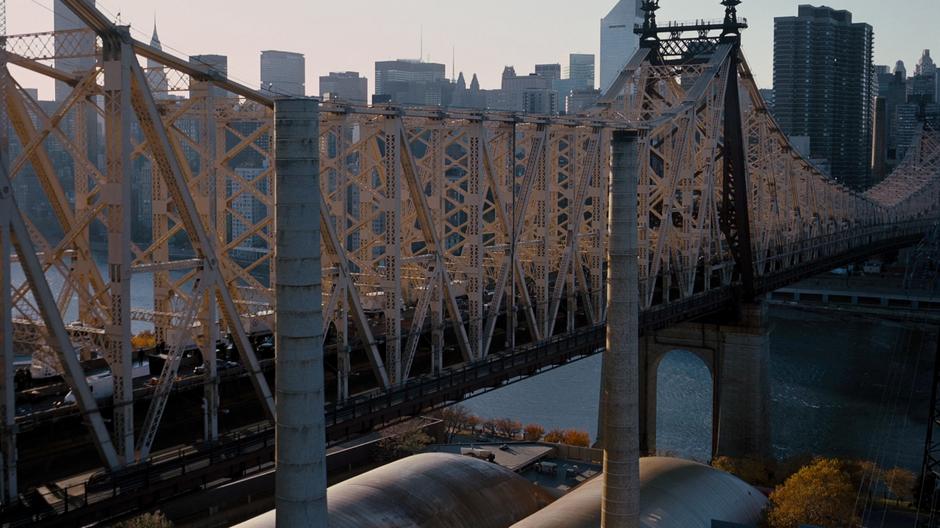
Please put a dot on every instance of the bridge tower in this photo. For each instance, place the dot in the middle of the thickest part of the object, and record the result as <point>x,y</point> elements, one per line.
<point>736,348</point>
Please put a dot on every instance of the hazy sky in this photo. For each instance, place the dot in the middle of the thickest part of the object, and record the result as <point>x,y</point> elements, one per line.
<point>339,35</point>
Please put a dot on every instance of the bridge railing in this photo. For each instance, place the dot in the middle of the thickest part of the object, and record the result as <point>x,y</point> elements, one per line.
<point>829,244</point>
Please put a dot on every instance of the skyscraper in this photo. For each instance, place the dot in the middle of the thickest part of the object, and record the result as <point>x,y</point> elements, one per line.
<point>581,71</point>
<point>927,70</point>
<point>348,86</point>
<point>824,88</point>
<point>412,82</point>
<point>156,73</point>
<point>283,73</point>
<point>618,41</point>
<point>549,71</point>
<point>217,63</point>
<point>79,49</point>
<point>926,65</point>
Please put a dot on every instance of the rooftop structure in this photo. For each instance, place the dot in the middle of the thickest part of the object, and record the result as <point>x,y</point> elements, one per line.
<point>283,73</point>
<point>347,86</point>
<point>673,494</point>
<point>430,490</point>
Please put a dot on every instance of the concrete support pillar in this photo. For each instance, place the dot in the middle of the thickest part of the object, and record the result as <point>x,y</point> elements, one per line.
<point>649,368</point>
<point>300,482</point>
<point>744,386</point>
<point>648,361</point>
<point>8,480</point>
<point>620,504</point>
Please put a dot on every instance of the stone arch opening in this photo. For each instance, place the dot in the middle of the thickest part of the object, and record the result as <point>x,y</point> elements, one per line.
<point>678,415</point>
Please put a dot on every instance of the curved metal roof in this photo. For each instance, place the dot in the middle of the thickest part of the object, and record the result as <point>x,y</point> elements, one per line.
<point>673,494</point>
<point>430,491</point>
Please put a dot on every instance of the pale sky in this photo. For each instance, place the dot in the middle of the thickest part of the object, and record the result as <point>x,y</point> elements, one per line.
<point>340,35</point>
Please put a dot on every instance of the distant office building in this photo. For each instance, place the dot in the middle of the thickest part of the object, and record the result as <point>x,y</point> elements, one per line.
<point>926,81</point>
<point>156,73</point>
<point>412,82</point>
<point>581,100</point>
<point>216,63</point>
<point>824,88</point>
<point>532,94</point>
<point>907,126</point>
<point>79,49</point>
<point>892,87</point>
<point>926,65</point>
<point>468,96</point>
<point>579,77</point>
<point>879,154</point>
<point>581,71</point>
<point>347,86</point>
<point>900,68</point>
<point>551,72</point>
<point>618,40</point>
<point>768,95</point>
<point>76,49</point>
<point>922,89</point>
<point>283,73</point>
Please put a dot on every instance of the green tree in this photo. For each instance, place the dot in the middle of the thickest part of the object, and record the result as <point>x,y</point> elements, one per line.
<point>820,494</point>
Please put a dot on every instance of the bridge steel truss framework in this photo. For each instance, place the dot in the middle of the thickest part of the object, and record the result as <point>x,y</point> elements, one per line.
<point>432,220</point>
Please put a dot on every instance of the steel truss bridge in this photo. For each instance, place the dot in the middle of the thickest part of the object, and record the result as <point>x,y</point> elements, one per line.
<point>451,239</point>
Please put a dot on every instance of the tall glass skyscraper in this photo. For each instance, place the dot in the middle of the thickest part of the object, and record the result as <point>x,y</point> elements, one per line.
<point>618,41</point>
<point>825,87</point>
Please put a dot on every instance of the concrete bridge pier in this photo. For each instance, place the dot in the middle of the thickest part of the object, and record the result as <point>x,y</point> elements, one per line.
<point>743,412</point>
<point>737,354</point>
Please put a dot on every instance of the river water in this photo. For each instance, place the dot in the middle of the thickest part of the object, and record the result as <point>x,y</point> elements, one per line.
<point>852,388</point>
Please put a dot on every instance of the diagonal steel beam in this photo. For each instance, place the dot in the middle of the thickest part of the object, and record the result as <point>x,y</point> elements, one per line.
<point>58,338</point>
<point>574,230</point>
<point>504,272</point>
<point>168,374</point>
<point>169,165</point>
<point>358,313</point>
<point>420,202</point>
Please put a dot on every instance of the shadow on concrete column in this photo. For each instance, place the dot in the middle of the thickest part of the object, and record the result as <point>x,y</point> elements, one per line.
<point>300,482</point>
<point>620,505</point>
<point>743,412</point>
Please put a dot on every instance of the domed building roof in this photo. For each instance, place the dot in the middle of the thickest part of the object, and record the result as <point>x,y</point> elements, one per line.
<point>430,491</point>
<point>673,494</point>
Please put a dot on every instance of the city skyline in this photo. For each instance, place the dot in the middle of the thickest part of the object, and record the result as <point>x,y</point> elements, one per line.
<point>397,33</point>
